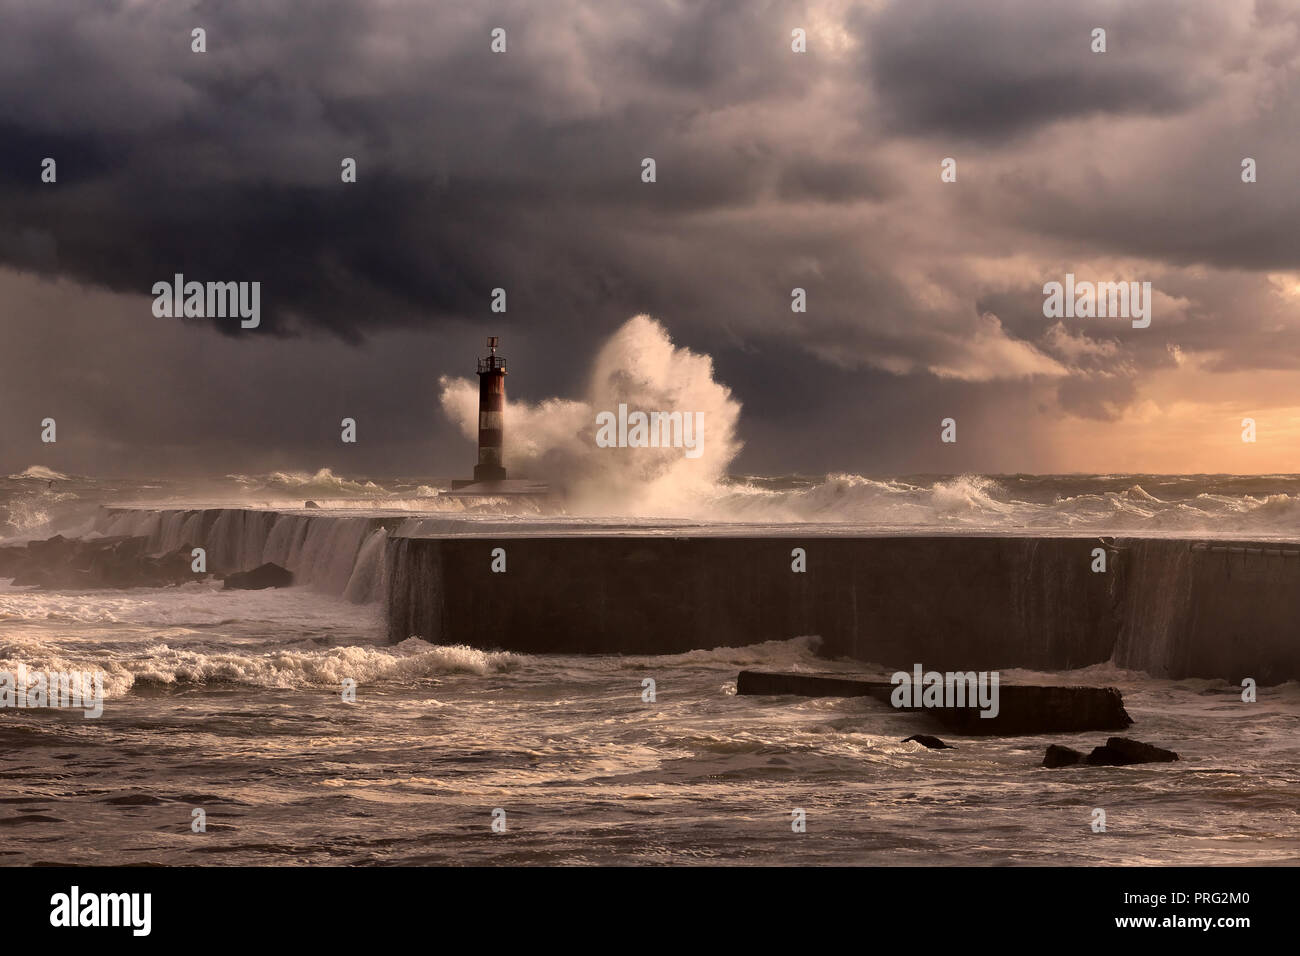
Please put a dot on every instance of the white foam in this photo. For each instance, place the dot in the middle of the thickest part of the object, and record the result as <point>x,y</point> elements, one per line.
<point>165,664</point>
<point>40,473</point>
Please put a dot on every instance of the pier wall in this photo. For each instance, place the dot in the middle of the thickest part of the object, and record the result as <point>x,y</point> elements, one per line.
<point>1171,608</point>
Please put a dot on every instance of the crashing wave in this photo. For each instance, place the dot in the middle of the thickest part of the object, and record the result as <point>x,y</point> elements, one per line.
<point>40,473</point>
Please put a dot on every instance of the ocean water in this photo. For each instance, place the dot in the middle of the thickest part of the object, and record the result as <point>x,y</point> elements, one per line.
<point>39,502</point>
<point>230,702</point>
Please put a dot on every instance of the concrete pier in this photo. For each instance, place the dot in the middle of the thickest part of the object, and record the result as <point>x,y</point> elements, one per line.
<point>1171,608</point>
<point>949,603</point>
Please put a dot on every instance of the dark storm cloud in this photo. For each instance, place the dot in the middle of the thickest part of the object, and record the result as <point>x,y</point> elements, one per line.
<point>994,69</point>
<point>837,181</point>
<point>1174,221</point>
<point>775,171</point>
<point>474,169</point>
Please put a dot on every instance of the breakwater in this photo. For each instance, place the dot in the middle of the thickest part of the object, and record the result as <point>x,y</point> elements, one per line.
<point>1170,607</point>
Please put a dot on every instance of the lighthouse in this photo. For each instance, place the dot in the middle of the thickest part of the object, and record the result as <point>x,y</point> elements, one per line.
<point>490,473</point>
<point>491,414</point>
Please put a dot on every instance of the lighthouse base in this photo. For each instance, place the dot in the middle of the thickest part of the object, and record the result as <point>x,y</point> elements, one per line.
<point>493,489</point>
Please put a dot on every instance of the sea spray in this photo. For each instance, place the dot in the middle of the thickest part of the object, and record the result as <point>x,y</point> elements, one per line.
<point>640,367</point>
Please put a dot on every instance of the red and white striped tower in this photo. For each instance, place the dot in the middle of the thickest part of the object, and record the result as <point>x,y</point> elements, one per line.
<point>491,414</point>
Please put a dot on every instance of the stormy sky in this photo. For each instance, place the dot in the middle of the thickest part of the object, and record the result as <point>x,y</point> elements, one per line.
<point>775,170</point>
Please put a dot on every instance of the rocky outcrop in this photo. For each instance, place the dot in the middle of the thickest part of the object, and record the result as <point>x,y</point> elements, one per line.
<point>1121,751</point>
<point>264,576</point>
<point>110,562</point>
<point>1058,756</point>
<point>1116,752</point>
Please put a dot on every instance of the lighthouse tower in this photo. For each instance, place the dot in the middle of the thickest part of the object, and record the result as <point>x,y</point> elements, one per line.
<point>490,474</point>
<point>491,414</point>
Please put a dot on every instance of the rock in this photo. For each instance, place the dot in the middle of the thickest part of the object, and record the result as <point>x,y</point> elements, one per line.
<point>29,577</point>
<point>1116,752</point>
<point>311,504</point>
<point>121,564</point>
<point>1140,752</point>
<point>10,559</point>
<point>50,551</point>
<point>1058,756</point>
<point>1121,751</point>
<point>177,566</point>
<point>113,562</point>
<point>926,740</point>
<point>1105,757</point>
<point>267,576</point>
